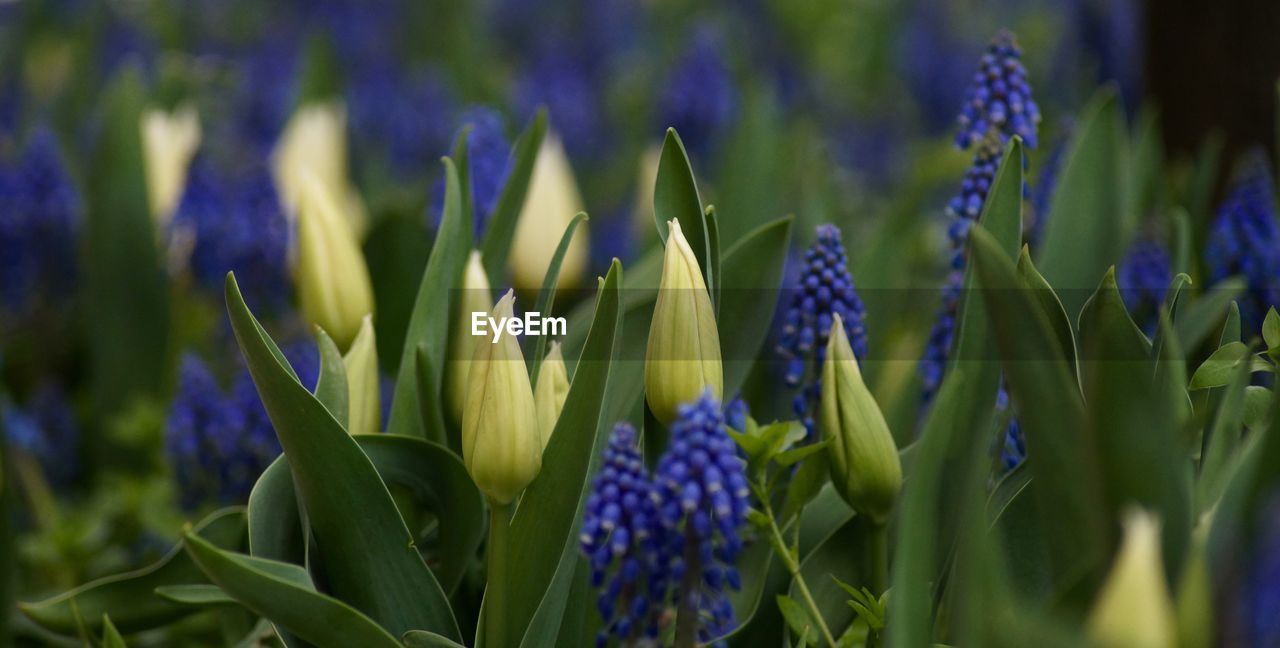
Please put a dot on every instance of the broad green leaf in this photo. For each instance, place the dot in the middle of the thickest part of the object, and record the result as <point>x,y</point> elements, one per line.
<point>429,324</point>
<point>547,519</point>
<point>1257,408</point>
<point>1237,519</point>
<point>1223,442</point>
<point>547,296</point>
<point>1271,332</point>
<point>125,292</point>
<point>1050,305</point>
<point>110,636</point>
<point>1218,369</point>
<point>130,598</point>
<point>424,639</point>
<point>198,595</point>
<point>798,620</point>
<point>501,229</point>
<point>1089,228</point>
<point>368,556</point>
<point>331,386</point>
<point>675,196</point>
<point>1203,316</point>
<point>751,277</point>
<point>1148,188</point>
<point>285,594</point>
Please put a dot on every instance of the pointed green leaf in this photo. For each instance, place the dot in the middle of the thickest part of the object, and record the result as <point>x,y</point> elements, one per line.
<point>675,196</point>
<point>198,595</point>
<point>424,639</point>
<point>1223,443</point>
<point>752,277</point>
<point>501,228</point>
<point>1218,369</point>
<point>547,296</point>
<point>1203,316</point>
<point>1271,331</point>
<point>1050,305</point>
<point>331,386</point>
<point>110,636</point>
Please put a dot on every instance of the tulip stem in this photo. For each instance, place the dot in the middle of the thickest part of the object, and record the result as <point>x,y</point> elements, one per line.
<point>793,568</point>
<point>878,551</point>
<point>495,598</point>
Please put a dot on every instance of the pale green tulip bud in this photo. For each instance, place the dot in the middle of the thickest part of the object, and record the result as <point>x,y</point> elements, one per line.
<point>552,202</point>
<point>550,392</point>
<point>333,281</point>
<point>169,141</point>
<point>1133,609</point>
<point>865,468</point>
<point>474,298</point>
<point>364,395</point>
<point>1195,591</point>
<point>500,442</point>
<point>314,145</point>
<point>682,360</point>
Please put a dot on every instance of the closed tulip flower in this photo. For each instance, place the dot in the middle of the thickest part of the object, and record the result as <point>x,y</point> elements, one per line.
<point>550,392</point>
<point>314,144</point>
<point>169,141</point>
<point>474,298</point>
<point>1134,609</point>
<point>364,396</point>
<point>333,281</point>
<point>552,202</point>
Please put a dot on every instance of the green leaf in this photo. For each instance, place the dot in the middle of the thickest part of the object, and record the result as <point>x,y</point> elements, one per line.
<point>788,457</point>
<point>1271,332</point>
<point>713,256</point>
<point>547,519</point>
<point>424,639</point>
<point>1257,407</point>
<point>110,636</point>
<point>1050,305</point>
<point>547,296</point>
<point>197,595</point>
<point>429,324</point>
<point>501,228</point>
<point>1223,443</point>
<point>130,598</point>
<point>331,385</point>
<point>125,291</point>
<point>462,162</point>
<point>285,594</point>
<point>1237,518</point>
<point>1203,316</point>
<point>805,484</point>
<point>675,196</point>
<point>1218,369</point>
<point>1088,230</point>
<point>840,555</point>
<point>798,620</point>
<point>752,270</point>
<point>370,561</point>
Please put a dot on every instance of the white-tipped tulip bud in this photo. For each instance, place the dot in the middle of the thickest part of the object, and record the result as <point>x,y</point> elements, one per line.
<point>865,468</point>
<point>474,298</point>
<point>364,395</point>
<point>682,360</point>
<point>333,280</point>
<point>550,392</point>
<point>552,202</point>
<point>500,443</point>
<point>1134,609</point>
<point>169,141</point>
<point>314,145</point>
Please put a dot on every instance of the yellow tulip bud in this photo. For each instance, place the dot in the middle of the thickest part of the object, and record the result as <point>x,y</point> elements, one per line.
<point>333,281</point>
<point>364,395</point>
<point>550,392</point>
<point>683,357</point>
<point>500,442</point>
<point>314,144</point>
<point>169,141</point>
<point>552,202</point>
<point>865,468</point>
<point>1134,609</point>
<point>1195,591</point>
<point>474,298</point>
<point>646,178</point>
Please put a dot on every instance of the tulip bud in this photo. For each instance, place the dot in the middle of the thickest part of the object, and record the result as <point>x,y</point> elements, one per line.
<point>646,178</point>
<point>333,281</point>
<point>552,202</point>
<point>550,392</point>
<point>474,298</point>
<point>500,444</point>
<point>1133,609</point>
<point>314,144</point>
<point>169,141</point>
<point>865,468</point>
<point>1195,591</point>
<point>364,396</point>
<point>683,357</point>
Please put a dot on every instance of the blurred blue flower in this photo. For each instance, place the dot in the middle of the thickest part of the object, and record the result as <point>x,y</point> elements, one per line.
<point>1013,447</point>
<point>1263,606</point>
<point>825,288</point>
<point>40,215</point>
<point>46,430</point>
<point>702,497</point>
<point>736,412</point>
<point>935,61</point>
<point>622,540</point>
<point>266,87</point>
<point>489,160</point>
<point>1144,276</point>
<point>405,115</point>
<point>999,98</point>
<point>1045,186</point>
<point>571,90</point>
<point>699,98</point>
<point>1245,240</point>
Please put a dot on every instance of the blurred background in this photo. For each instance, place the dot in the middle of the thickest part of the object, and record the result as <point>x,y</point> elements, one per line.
<point>836,111</point>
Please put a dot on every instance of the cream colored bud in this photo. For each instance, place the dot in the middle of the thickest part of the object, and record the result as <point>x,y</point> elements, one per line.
<point>1133,608</point>
<point>364,395</point>
<point>550,392</point>
<point>333,280</point>
<point>683,357</point>
<point>865,468</point>
<point>314,144</point>
<point>552,202</point>
<point>500,443</point>
<point>474,298</point>
<point>169,141</point>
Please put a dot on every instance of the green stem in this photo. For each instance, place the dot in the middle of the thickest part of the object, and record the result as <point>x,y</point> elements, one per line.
<point>793,567</point>
<point>495,594</point>
<point>878,551</point>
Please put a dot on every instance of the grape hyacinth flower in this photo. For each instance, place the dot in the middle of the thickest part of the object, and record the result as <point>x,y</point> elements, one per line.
<point>701,492</point>
<point>45,429</point>
<point>999,98</point>
<point>489,160</point>
<point>1245,240</point>
<point>699,98</point>
<point>825,288</point>
<point>1013,448</point>
<point>621,540</point>
<point>1143,276</point>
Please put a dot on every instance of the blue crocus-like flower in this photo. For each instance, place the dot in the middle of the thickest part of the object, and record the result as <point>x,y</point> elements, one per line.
<point>1143,276</point>
<point>489,160</point>
<point>622,540</point>
<point>699,98</point>
<point>999,98</point>
<point>1245,240</point>
<point>825,288</point>
<point>701,492</point>
<point>46,430</point>
<point>40,214</point>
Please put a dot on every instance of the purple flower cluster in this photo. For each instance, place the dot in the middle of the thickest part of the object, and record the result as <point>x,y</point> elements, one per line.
<point>999,99</point>
<point>1144,276</point>
<point>670,540</point>
<point>1244,240</point>
<point>45,429</point>
<point>699,98</point>
<point>825,288</point>
<point>489,164</point>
